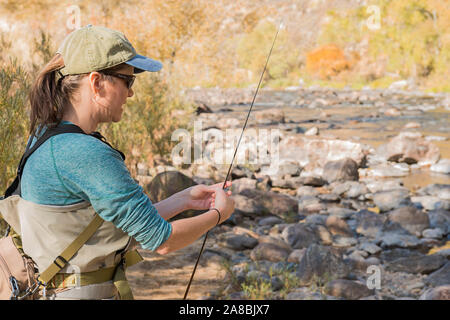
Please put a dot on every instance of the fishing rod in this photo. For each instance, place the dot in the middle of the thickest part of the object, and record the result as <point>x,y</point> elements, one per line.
<point>234,155</point>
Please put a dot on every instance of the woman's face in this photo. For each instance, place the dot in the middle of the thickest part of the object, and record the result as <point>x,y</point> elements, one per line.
<point>112,96</point>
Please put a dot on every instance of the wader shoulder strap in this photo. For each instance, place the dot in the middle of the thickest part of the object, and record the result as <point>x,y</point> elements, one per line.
<point>61,261</point>
<point>14,188</point>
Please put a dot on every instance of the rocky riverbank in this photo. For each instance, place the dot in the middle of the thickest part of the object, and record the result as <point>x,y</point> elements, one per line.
<point>341,218</point>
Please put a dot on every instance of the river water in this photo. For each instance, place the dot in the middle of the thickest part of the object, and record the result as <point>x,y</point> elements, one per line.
<point>371,117</point>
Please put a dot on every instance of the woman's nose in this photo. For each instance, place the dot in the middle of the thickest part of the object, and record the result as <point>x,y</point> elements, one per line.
<point>130,93</point>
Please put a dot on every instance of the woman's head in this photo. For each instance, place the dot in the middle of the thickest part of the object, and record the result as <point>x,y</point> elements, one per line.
<point>92,70</point>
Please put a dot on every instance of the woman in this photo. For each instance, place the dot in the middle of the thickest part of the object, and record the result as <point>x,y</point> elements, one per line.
<point>87,83</point>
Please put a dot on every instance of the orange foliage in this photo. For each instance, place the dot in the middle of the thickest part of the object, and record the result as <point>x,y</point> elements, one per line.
<point>327,61</point>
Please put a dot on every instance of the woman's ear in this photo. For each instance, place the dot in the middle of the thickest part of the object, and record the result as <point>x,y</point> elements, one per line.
<point>95,83</point>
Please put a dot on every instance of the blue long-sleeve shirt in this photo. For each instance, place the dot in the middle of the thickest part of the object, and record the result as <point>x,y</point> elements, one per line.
<point>71,167</point>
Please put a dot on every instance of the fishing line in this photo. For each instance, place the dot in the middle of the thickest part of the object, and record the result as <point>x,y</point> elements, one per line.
<point>234,156</point>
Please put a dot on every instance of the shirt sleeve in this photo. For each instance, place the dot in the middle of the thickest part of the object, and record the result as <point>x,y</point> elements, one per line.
<point>96,173</point>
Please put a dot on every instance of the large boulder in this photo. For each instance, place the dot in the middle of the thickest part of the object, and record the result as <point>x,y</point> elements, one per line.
<point>313,153</point>
<point>341,170</point>
<point>438,293</point>
<point>411,219</point>
<point>410,147</point>
<point>271,202</point>
<point>347,289</point>
<point>166,184</point>
<point>419,264</point>
<point>321,263</point>
<point>270,250</point>
<point>299,236</point>
<point>391,199</point>
<point>439,277</point>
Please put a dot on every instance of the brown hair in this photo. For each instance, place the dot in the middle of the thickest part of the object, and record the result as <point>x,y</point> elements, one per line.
<point>48,96</point>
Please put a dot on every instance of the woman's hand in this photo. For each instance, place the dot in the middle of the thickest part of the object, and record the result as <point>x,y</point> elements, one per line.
<point>202,197</point>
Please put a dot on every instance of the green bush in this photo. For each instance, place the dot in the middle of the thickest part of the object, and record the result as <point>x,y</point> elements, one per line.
<point>14,85</point>
<point>412,35</point>
<point>253,49</point>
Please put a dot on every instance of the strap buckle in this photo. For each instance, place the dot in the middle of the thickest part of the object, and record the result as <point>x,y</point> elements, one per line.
<point>64,261</point>
<point>14,288</point>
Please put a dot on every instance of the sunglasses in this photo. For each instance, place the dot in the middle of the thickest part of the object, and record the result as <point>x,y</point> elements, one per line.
<point>129,80</point>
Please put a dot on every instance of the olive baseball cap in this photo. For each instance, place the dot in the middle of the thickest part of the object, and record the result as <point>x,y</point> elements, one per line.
<point>94,48</point>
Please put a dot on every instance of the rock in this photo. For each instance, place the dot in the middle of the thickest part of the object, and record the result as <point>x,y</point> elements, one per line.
<point>439,277</point>
<point>340,241</point>
<point>240,172</point>
<point>369,223</point>
<point>247,206</point>
<point>166,184</point>
<point>341,212</point>
<point>270,221</point>
<point>410,145</point>
<point>320,262</point>
<point>382,185</point>
<point>287,182</point>
<point>329,197</point>
<point>412,125</point>
<point>350,189</point>
<point>312,181</point>
<point>411,219</point>
<point>390,255</point>
<point>436,233</point>
<point>347,289</point>
<point>391,199</point>
<point>299,236</point>
<point>341,170</point>
<point>306,191</point>
<point>420,264</point>
<point>392,112</point>
<point>270,116</point>
<point>431,203</point>
<point>203,108</point>
<point>443,166</point>
<point>278,204</point>
<point>324,235</point>
<point>387,171</point>
<point>270,251</point>
<point>337,226</point>
<point>441,191</point>
<point>315,153</point>
<point>240,242</point>
<point>310,204</point>
<point>290,168</point>
<point>314,131</point>
<point>440,219</point>
<point>296,255</point>
<point>370,248</point>
<point>438,293</point>
<point>263,184</point>
<point>314,219</point>
<point>393,235</point>
<point>242,184</point>
<point>304,294</point>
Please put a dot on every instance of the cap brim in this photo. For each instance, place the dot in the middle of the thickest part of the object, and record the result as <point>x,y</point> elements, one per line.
<point>141,64</point>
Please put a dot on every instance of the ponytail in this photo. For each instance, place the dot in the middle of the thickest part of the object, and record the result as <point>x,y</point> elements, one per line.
<point>49,96</point>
